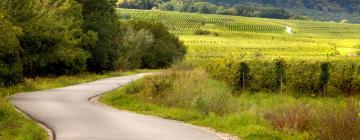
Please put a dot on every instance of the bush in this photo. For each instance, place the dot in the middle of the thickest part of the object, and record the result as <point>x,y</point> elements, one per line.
<point>338,123</point>
<point>303,76</point>
<point>333,76</point>
<point>201,32</point>
<point>294,118</point>
<point>189,89</point>
<point>205,32</point>
<point>345,76</point>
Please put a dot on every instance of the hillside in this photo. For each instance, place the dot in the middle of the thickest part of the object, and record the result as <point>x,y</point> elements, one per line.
<point>322,10</point>
<point>255,78</point>
<point>326,10</point>
<point>233,35</point>
<point>349,6</point>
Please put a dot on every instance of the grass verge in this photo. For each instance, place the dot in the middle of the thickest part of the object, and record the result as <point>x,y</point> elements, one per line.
<point>14,126</point>
<point>189,95</point>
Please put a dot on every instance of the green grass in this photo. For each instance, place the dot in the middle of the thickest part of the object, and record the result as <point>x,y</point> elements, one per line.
<point>14,126</point>
<point>245,124</point>
<point>245,115</point>
<point>246,36</point>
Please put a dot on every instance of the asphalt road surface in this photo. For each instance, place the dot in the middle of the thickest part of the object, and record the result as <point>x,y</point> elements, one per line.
<point>71,116</point>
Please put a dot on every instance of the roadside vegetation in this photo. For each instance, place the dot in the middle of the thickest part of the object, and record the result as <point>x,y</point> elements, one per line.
<point>243,76</point>
<point>189,94</point>
<point>50,44</point>
<point>14,125</point>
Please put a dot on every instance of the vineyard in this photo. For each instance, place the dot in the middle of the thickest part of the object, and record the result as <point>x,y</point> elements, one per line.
<point>222,44</point>
<point>233,35</point>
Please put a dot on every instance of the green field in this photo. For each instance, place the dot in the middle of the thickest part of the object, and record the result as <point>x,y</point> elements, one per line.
<point>232,36</point>
<point>311,56</point>
<point>258,78</point>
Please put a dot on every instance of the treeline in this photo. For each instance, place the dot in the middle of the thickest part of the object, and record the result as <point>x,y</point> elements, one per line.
<point>207,8</point>
<point>349,6</point>
<point>333,76</point>
<point>73,36</point>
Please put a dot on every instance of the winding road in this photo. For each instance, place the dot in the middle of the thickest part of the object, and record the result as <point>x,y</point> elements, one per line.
<point>70,115</point>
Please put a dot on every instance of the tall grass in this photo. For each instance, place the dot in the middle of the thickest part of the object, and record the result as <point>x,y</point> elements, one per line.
<point>325,123</point>
<point>14,126</point>
<point>292,117</point>
<point>189,94</point>
<point>339,123</point>
<point>186,89</point>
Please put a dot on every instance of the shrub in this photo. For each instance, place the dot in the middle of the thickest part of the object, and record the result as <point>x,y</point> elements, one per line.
<point>133,88</point>
<point>332,76</point>
<point>202,32</point>
<point>187,88</point>
<point>338,123</point>
<point>215,98</point>
<point>205,32</point>
<point>345,76</point>
<point>303,76</point>
<point>262,76</point>
<point>293,118</point>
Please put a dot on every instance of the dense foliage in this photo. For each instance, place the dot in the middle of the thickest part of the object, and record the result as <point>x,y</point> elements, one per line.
<point>100,17</point>
<point>165,49</point>
<point>68,37</point>
<point>202,100</point>
<point>314,77</point>
<point>150,45</point>
<point>10,71</point>
<point>49,42</point>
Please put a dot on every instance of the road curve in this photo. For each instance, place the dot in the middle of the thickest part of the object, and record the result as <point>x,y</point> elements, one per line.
<point>71,116</point>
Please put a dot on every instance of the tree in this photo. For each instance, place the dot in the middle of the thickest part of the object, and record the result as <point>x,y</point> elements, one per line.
<point>165,49</point>
<point>100,17</point>
<point>51,35</point>
<point>10,65</point>
<point>136,43</point>
<point>242,77</point>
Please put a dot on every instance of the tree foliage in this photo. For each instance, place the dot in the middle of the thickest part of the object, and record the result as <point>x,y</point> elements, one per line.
<point>10,65</point>
<point>153,45</point>
<point>100,17</point>
<point>51,34</point>
<point>55,37</point>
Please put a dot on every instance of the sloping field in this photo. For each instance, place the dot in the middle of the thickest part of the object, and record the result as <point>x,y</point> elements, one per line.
<point>222,36</point>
